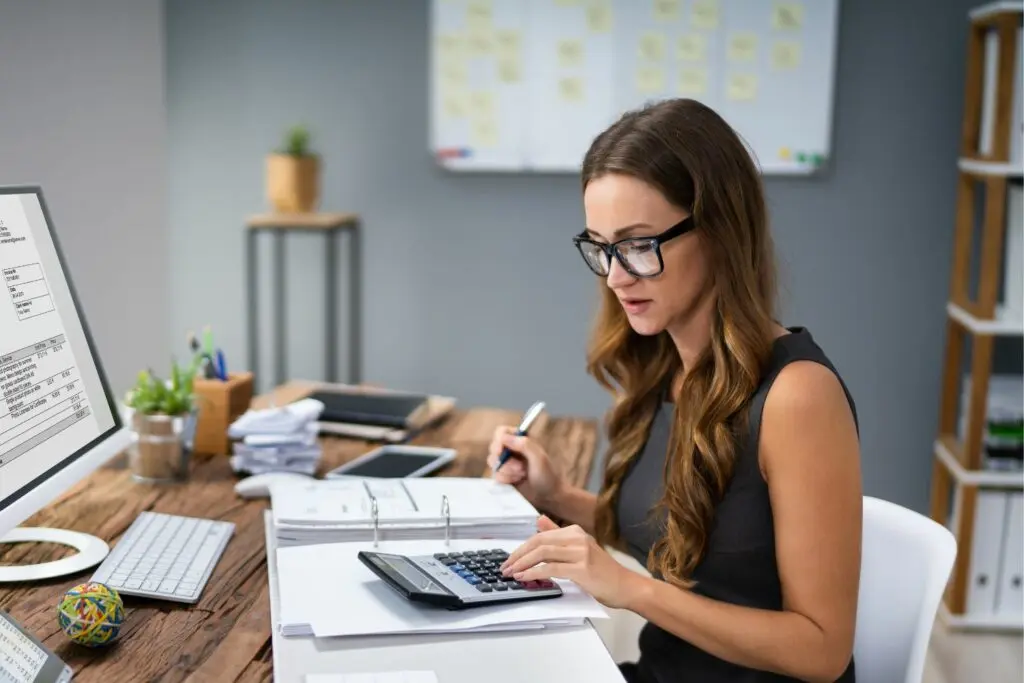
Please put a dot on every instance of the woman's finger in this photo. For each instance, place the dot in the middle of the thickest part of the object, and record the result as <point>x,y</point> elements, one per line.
<point>547,553</point>
<point>550,570</point>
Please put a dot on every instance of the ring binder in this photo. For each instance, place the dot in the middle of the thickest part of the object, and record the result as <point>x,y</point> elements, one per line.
<point>376,518</point>
<point>446,512</point>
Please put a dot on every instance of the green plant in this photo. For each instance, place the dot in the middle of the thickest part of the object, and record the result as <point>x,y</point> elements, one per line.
<point>152,395</point>
<point>297,142</point>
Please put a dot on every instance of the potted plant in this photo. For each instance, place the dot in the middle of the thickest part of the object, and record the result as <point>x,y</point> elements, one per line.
<point>293,174</point>
<point>161,416</point>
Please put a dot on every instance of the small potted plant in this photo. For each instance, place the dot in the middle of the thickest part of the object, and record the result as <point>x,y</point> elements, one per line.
<point>161,415</point>
<point>293,174</point>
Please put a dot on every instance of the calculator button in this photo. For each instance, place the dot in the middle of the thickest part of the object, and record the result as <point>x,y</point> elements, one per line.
<point>472,579</point>
<point>499,555</point>
<point>456,567</point>
<point>447,561</point>
<point>470,553</point>
<point>501,586</point>
<point>545,583</point>
<point>472,565</point>
<point>484,587</point>
<point>514,585</point>
<point>440,556</point>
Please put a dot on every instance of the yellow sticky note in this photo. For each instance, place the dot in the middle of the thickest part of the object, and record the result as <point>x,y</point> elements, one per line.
<point>479,44</point>
<point>571,89</point>
<point>787,16</point>
<point>509,70</point>
<point>742,46</point>
<point>692,47</point>
<point>784,153</point>
<point>652,46</point>
<point>704,14</point>
<point>650,79</point>
<point>478,15</point>
<point>454,103</point>
<point>451,46</point>
<point>507,43</point>
<point>786,54</point>
<point>693,81</point>
<point>666,10</point>
<point>453,73</point>
<point>570,52</point>
<point>483,133</point>
<point>741,87</point>
<point>481,104</point>
<point>599,16</point>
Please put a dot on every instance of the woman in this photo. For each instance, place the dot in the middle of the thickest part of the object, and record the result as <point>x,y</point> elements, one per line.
<point>733,462</point>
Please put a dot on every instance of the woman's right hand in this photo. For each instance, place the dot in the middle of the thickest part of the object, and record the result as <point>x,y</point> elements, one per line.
<point>529,469</point>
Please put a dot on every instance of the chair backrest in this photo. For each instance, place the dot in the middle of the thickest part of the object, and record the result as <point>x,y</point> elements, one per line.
<point>906,562</point>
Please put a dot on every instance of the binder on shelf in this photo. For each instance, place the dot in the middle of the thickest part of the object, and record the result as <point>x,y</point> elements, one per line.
<point>1010,597</point>
<point>986,552</point>
<point>370,509</point>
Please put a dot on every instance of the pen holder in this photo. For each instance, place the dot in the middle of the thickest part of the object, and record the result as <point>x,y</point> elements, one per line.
<point>220,404</point>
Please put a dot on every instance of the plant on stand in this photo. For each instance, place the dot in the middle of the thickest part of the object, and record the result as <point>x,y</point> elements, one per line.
<point>161,415</point>
<point>293,174</point>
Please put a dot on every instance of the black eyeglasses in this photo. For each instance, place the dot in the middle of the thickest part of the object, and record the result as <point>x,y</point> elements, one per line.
<point>640,256</point>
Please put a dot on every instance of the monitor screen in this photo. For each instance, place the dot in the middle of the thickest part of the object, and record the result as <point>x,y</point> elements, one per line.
<point>54,401</point>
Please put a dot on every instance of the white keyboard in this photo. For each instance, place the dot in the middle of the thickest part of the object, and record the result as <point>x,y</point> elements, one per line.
<point>167,557</point>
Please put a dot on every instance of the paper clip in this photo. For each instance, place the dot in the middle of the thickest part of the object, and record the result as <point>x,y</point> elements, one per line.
<point>446,512</point>
<point>376,518</point>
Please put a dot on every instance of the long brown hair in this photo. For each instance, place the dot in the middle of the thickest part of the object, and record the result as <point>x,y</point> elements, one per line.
<point>695,159</point>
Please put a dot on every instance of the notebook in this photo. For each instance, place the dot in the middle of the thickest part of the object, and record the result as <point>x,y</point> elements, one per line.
<point>342,510</point>
<point>325,591</point>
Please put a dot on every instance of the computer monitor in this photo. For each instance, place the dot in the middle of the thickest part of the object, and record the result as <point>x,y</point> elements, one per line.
<point>58,418</point>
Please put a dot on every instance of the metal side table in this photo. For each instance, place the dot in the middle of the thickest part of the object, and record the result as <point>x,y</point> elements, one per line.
<point>331,225</point>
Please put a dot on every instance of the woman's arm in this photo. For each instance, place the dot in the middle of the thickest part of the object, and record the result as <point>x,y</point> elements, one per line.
<point>573,505</point>
<point>810,458</point>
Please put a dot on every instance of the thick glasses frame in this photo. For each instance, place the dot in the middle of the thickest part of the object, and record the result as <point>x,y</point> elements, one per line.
<point>612,248</point>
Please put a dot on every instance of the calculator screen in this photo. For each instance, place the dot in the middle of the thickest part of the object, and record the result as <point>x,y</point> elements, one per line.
<point>412,574</point>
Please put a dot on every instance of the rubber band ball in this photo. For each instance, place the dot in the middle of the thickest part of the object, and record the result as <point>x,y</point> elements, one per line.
<point>91,614</point>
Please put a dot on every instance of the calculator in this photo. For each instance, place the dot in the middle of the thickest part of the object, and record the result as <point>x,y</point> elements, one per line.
<point>455,580</point>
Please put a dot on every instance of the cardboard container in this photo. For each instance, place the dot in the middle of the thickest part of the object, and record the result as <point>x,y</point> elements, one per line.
<point>220,404</point>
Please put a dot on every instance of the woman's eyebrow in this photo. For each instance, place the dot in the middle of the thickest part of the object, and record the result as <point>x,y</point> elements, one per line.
<point>621,232</point>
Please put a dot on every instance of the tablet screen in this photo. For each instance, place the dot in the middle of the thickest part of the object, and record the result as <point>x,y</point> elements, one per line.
<point>392,465</point>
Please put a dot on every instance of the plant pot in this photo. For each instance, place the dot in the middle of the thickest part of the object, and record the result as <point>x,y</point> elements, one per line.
<point>293,183</point>
<point>160,445</point>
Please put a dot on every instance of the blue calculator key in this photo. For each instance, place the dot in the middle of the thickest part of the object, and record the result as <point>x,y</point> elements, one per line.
<point>474,580</point>
<point>456,567</point>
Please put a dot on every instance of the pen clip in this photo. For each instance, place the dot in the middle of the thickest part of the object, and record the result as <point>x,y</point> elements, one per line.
<point>532,414</point>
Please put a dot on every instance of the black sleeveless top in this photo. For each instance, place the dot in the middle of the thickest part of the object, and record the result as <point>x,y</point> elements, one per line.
<point>739,566</point>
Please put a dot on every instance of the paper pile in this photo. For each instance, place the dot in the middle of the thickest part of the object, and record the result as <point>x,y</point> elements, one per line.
<point>341,510</point>
<point>327,592</point>
<point>282,439</point>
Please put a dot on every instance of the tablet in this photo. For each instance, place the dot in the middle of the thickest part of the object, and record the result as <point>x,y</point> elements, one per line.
<point>396,462</point>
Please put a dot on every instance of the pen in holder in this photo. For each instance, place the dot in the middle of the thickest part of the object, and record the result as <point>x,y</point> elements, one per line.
<point>376,517</point>
<point>446,512</point>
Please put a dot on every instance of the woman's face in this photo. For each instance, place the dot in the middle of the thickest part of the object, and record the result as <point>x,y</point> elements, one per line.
<point>620,206</point>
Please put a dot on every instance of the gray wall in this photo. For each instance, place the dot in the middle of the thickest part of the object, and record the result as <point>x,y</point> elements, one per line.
<point>865,250</point>
<point>82,115</point>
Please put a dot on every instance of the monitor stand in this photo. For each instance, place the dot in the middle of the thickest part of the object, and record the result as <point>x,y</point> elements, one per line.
<point>91,551</point>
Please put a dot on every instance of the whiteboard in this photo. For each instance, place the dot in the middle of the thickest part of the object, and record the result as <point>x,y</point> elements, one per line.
<point>525,85</point>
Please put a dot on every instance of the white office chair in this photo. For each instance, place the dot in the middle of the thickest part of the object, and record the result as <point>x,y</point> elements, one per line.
<point>906,561</point>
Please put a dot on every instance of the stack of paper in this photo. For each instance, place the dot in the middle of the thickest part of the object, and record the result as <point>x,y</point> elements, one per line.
<point>280,439</point>
<point>341,510</point>
<point>326,591</point>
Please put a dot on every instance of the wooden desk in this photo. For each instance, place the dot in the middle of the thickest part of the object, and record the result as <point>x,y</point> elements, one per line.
<point>226,635</point>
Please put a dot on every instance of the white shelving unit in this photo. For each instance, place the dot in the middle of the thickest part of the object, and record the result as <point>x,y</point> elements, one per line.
<point>982,506</point>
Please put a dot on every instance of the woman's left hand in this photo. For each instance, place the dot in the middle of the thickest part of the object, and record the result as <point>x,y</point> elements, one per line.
<point>571,553</point>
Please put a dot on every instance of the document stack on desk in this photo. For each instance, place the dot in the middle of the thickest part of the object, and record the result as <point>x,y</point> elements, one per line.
<point>343,510</point>
<point>325,591</point>
<point>282,439</point>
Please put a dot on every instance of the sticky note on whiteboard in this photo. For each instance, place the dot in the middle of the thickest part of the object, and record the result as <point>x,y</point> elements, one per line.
<point>652,46</point>
<point>478,15</point>
<point>666,10</point>
<point>571,89</point>
<point>692,47</point>
<point>483,133</point>
<point>787,16</point>
<point>742,46</point>
<point>704,14</point>
<point>693,81</point>
<point>786,54</point>
<point>741,87</point>
<point>599,16</point>
<point>570,52</point>
<point>509,70</point>
<point>650,79</point>
<point>507,43</point>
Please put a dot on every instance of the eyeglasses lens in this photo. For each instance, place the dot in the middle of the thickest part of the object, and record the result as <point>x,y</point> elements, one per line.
<point>640,256</point>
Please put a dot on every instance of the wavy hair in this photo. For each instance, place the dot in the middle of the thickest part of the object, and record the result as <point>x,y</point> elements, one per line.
<point>694,158</point>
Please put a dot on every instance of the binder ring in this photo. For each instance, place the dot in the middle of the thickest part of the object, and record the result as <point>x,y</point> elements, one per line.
<point>446,512</point>
<point>374,513</point>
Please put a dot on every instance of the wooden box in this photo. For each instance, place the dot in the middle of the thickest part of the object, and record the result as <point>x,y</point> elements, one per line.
<point>220,404</point>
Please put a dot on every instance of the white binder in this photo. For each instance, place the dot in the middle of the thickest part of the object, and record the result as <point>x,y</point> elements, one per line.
<point>1010,598</point>
<point>986,551</point>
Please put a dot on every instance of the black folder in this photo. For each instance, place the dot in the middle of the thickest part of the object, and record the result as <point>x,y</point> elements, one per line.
<point>382,409</point>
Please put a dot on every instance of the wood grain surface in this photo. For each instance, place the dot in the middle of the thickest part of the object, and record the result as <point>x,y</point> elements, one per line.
<point>226,635</point>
